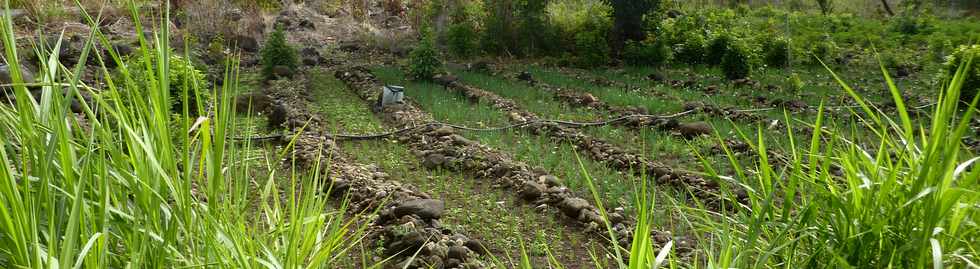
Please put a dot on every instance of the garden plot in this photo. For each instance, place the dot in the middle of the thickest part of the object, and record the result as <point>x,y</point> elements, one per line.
<point>477,208</point>
<point>611,155</point>
<point>441,147</point>
<point>407,223</point>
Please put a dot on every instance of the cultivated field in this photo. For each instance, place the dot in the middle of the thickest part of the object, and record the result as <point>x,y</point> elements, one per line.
<point>530,134</point>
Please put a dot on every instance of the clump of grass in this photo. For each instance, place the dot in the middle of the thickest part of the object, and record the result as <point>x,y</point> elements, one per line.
<point>114,193</point>
<point>907,200</point>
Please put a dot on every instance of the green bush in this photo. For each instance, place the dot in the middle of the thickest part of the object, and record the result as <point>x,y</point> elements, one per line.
<point>182,72</point>
<point>592,47</point>
<point>691,50</point>
<point>649,52</point>
<point>823,50</point>
<point>737,62</point>
<point>971,82</point>
<point>776,52</point>
<point>424,60</point>
<point>462,39</point>
<point>718,48</point>
<point>277,52</point>
<point>911,25</point>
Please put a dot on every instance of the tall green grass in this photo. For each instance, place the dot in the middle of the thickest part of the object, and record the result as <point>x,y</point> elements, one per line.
<point>137,189</point>
<point>908,199</point>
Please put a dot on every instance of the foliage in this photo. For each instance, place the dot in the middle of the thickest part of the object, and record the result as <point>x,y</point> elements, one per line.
<point>462,36</point>
<point>902,202</point>
<point>592,48</point>
<point>649,52</point>
<point>823,50</point>
<point>737,62</point>
<point>628,18</point>
<point>568,18</point>
<point>908,24</point>
<point>424,61</point>
<point>776,51</point>
<point>498,33</point>
<point>826,6</point>
<point>692,50</point>
<point>718,48</point>
<point>277,52</point>
<point>106,189</point>
<point>182,76</point>
<point>971,73</point>
<point>533,26</point>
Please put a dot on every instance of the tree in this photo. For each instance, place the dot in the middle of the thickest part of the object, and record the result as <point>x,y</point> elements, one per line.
<point>498,33</point>
<point>884,3</point>
<point>826,6</point>
<point>532,25</point>
<point>277,53</point>
<point>628,19</point>
<point>424,60</point>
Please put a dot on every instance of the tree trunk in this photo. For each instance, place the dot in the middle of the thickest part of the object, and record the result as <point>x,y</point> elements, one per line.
<point>888,8</point>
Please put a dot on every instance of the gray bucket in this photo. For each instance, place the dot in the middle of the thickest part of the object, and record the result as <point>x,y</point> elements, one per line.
<point>392,94</point>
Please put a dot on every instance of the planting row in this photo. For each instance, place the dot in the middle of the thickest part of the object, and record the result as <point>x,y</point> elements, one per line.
<point>441,147</point>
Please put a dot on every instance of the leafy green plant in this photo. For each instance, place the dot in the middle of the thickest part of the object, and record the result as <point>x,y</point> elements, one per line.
<point>106,189</point>
<point>277,53</point>
<point>909,24</point>
<point>462,37</point>
<point>649,52</point>
<point>183,76</point>
<point>902,201</point>
<point>424,60</point>
<point>692,50</point>
<point>592,47</point>
<point>823,50</point>
<point>718,48</point>
<point>737,62</point>
<point>971,74</point>
<point>776,51</point>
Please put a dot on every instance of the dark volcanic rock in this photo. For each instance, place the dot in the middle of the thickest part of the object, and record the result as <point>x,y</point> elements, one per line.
<point>282,71</point>
<point>246,43</point>
<point>277,116</point>
<point>255,102</point>
<point>572,206</point>
<point>532,190</point>
<point>424,208</point>
<point>694,129</point>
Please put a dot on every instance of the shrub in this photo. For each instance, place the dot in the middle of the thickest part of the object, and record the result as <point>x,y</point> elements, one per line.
<point>649,52</point>
<point>911,25</point>
<point>182,72</point>
<point>424,60</point>
<point>277,52</point>
<point>462,36</point>
<point>718,48</point>
<point>736,63</point>
<point>776,52</point>
<point>823,50</point>
<point>971,82</point>
<point>570,17</point>
<point>462,39</point>
<point>691,50</point>
<point>592,47</point>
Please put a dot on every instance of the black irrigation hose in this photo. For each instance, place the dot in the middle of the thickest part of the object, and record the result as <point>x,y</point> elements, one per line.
<point>465,128</point>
